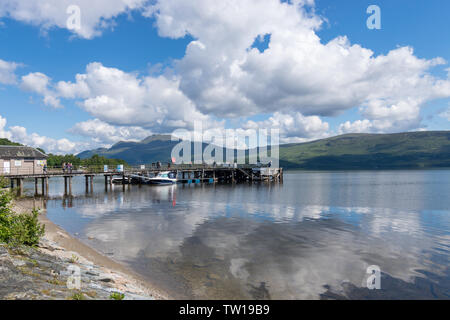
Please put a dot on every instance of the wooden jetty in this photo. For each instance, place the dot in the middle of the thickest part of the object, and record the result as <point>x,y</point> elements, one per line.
<point>184,174</point>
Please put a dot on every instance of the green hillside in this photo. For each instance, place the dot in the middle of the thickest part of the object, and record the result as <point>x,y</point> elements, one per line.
<point>352,151</point>
<point>6,142</point>
<point>370,151</point>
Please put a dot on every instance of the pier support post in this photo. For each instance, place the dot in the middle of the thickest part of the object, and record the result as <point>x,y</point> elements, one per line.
<point>70,185</point>
<point>43,186</point>
<point>86,178</point>
<point>65,185</point>
<point>92,183</point>
<point>36,186</point>
<point>46,186</point>
<point>20,186</point>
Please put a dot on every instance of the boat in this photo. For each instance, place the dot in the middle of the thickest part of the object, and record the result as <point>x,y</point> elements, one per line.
<point>127,180</point>
<point>164,177</point>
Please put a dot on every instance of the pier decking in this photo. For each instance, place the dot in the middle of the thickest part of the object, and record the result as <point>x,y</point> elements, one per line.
<point>184,174</point>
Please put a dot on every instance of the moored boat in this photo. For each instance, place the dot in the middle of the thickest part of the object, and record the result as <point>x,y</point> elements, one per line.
<point>165,177</point>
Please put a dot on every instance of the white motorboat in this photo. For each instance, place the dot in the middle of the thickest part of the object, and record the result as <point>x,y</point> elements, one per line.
<point>164,177</point>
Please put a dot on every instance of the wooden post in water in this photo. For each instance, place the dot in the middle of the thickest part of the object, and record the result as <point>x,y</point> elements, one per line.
<point>87,183</point>
<point>35,186</point>
<point>70,185</point>
<point>65,184</point>
<point>46,186</point>
<point>92,183</point>
<point>20,185</point>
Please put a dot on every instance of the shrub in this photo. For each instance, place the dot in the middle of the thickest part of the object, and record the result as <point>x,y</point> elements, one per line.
<point>18,229</point>
<point>77,296</point>
<point>26,229</point>
<point>3,182</point>
<point>117,296</point>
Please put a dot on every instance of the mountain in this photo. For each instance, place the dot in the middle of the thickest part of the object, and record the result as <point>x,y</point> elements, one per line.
<point>429,149</point>
<point>152,149</point>
<point>409,150</point>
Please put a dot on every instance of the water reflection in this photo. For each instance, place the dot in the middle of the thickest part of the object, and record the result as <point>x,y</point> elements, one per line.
<point>312,237</point>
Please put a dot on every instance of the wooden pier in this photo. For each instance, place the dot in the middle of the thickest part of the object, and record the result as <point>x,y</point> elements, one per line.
<point>184,174</point>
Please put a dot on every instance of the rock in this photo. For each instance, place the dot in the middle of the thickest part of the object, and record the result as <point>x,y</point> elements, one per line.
<point>132,296</point>
<point>92,273</point>
<point>32,274</point>
<point>213,276</point>
<point>104,278</point>
<point>18,263</point>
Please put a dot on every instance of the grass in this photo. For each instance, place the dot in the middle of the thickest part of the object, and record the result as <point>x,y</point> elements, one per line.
<point>117,296</point>
<point>56,281</point>
<point>74,259</point>
<point>77,296</point>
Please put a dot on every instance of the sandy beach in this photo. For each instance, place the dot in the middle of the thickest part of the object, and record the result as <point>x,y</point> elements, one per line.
<point>61,245</point>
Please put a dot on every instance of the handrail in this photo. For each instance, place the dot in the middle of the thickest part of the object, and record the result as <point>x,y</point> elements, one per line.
<point>19,171</point>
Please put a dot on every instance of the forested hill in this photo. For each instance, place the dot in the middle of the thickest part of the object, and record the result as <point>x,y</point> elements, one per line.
<point>409,150</point>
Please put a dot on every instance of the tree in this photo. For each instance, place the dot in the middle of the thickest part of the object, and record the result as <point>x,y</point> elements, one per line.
<point>6,142</point>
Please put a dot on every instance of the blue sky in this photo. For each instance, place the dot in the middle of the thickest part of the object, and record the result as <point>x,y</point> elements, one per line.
<point>163,85</point>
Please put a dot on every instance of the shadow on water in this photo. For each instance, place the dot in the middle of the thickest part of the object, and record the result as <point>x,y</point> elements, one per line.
<point>312,237</point>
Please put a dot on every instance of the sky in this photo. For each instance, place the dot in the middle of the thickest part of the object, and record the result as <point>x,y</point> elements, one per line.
<point>122,70</point>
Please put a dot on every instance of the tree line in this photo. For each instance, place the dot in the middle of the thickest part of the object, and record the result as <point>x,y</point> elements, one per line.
<point>96,160</point>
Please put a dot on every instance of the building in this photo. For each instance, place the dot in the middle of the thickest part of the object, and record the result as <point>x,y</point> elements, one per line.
<point>21,160</point>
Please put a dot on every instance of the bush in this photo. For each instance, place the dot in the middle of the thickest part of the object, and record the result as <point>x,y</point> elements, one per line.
<point>3,182</point>
<point>117,296</point>
<point>18,229</point>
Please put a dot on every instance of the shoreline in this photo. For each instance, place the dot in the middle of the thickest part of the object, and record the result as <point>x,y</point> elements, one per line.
<point>59,244</point>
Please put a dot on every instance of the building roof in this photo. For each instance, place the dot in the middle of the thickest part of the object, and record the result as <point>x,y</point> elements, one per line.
<point>12,152</point>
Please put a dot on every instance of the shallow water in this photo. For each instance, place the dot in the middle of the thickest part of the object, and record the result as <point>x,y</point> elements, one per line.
<point>311,237</point>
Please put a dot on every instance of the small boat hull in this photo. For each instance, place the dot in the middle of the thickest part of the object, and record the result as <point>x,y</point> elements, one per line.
<point>157,181</point>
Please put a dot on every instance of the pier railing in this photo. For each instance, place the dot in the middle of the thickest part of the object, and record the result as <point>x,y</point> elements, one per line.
<point>100,169</point>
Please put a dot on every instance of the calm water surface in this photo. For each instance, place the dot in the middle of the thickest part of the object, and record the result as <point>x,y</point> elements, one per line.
<point>311,237</point>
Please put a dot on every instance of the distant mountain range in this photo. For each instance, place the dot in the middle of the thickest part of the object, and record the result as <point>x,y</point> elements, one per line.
<point>409,150</point>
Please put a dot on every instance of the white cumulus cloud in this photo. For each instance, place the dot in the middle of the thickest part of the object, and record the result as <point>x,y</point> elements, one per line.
<point>7,72</point>
<point>39,83</point>
<point>127,99</point>
<point>293,127</point>
<point>104,133</point>
<point>96,15</point>
<point>50,145</point>
<point>226,77</point>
